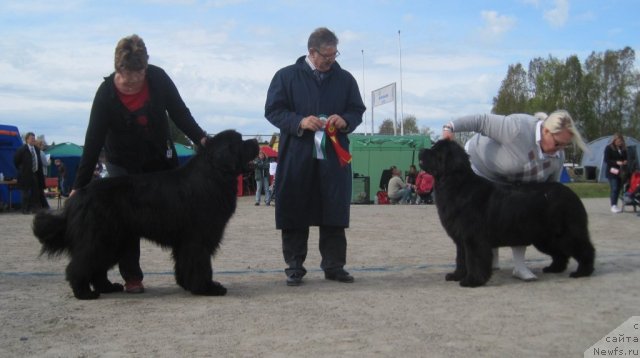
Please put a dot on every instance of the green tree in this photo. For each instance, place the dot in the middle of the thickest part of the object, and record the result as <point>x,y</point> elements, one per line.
<point>410,124</point>
<point>513,93</point>
<point>613,85</point>
<point>386,127</point>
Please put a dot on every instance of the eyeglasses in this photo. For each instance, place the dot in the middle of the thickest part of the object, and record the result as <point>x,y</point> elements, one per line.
<point>557,144</point>
<point>327,57</point>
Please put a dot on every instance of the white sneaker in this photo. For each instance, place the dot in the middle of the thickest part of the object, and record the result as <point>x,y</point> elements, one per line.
<point>615,209</point>
<point>524,274</point>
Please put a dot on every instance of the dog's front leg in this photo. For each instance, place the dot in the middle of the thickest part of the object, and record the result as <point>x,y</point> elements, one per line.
<point>461,270</point>
<point>478,262</point>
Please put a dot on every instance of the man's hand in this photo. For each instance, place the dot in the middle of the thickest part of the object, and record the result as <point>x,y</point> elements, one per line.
<point>312,123</point>
<point>337,121</point>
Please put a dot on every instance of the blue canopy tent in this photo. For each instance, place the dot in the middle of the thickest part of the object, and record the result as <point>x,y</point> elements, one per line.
<point>10,141</point>
<point>70,155</point>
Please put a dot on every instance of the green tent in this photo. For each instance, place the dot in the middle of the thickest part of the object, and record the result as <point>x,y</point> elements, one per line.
<point>64,150</point>
<point>70,155</point>
<point>374,153</point>
<point>184,152</point>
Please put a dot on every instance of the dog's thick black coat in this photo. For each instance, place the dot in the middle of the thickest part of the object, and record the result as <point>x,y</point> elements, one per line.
<point>185,209</point>
<point>480,215</point>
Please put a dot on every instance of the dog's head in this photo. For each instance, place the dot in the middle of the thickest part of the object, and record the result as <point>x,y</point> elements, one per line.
<point>445,157</point>
<point>228,152</point>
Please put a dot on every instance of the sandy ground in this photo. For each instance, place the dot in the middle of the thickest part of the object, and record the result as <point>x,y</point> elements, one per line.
<point>400,304</point>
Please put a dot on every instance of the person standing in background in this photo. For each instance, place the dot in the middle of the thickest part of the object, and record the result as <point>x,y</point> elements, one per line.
<point>28,161</point>
<point>261,174</point>
<point>615,156</point>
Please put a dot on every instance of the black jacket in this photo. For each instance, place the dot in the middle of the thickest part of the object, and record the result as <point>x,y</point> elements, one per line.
<point>611,156</point>
<point>311,192</point>
<point>113,126</point>
<point>22,161</point>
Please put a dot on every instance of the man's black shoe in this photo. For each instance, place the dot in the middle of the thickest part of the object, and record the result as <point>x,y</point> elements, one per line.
<point>294,280</point>
<point>340,276</point>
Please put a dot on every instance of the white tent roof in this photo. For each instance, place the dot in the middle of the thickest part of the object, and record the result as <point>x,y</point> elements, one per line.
<point>595,157</point>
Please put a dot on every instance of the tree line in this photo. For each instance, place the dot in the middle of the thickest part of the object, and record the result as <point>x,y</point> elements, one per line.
<point>602,94</point>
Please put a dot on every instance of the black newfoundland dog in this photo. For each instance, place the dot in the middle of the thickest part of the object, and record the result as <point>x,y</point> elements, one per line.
<point>185,209</point>
<point>480,215</point>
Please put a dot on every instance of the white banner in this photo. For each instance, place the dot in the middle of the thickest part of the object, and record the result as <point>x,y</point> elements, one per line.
<point>384,95</point>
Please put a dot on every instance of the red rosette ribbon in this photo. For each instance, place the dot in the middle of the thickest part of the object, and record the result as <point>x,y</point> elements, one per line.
<point>344,157</point>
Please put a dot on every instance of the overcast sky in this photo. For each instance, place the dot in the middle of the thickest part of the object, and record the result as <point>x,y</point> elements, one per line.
<point>448,60</point>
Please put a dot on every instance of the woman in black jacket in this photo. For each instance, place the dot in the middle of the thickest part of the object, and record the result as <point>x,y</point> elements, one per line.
<point>615,155</point>
<point>129,118</point>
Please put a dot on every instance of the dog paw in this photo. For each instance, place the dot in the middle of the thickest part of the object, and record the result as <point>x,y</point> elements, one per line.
<point>86,295</point>
<point>214,288</point>
<point>578,273</point>
<point>468,282</point>
<point>453,276</point>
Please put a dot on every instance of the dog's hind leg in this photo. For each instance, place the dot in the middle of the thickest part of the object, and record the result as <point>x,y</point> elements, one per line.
<point>479,259</point>
<point>461,270</point>
<point>558,263</point>
<point>78,278</point>
<point>101,283</point>
<point>585,256</point>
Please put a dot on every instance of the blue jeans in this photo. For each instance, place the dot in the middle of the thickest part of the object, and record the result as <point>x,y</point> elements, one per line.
<point>263,183</point>
<point>614,184</point>
<point>402,195</point>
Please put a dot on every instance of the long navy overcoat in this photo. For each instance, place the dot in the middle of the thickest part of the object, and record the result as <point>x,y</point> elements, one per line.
<point>311,192</point>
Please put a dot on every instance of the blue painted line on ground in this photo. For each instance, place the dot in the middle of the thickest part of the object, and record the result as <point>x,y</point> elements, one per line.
<point>354,269</point>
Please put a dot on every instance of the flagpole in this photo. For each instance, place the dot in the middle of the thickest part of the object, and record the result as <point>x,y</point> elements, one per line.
<point>363,95</point>
<point>401,102</point>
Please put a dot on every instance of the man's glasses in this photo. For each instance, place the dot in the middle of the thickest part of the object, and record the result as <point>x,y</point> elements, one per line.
<point>328,57</point>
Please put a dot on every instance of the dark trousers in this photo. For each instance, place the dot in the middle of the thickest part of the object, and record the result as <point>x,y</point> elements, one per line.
<point>333,249</point>
<point>30,195</point>
<point>129,264</point>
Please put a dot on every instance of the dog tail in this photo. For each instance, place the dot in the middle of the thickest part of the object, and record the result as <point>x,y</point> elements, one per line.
<point>50,230</point>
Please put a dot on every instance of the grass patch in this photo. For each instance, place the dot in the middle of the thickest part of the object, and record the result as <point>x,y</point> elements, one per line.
<point>590,189</point>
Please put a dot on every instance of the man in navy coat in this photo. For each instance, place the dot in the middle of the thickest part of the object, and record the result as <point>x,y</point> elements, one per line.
<point>315,104</point>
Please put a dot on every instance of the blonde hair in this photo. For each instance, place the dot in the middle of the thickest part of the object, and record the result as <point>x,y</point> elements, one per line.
<point>560,120</point>
<point>131,54</point>
<point>616,136</point>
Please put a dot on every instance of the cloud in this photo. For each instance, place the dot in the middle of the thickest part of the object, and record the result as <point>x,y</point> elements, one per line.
<point>557,16</point>
<point>495,25</point>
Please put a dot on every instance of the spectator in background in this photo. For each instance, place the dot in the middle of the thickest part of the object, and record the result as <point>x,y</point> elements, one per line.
<point>397,190</point>
<point>411,179</point>
<point>261,174</point>
<point>615,156</point>
<point>424,187</point>
<point>30,176</point>
<point>62,176</point>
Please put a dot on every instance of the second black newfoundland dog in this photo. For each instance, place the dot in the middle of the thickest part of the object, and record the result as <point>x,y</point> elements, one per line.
<point>480,215</point>
<point>185,209</point>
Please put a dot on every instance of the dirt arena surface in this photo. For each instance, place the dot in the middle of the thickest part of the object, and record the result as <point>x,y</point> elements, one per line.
<point>399,306</point>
